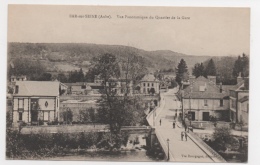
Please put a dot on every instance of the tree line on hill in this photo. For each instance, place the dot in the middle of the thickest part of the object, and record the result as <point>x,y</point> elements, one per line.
<point>227,76</point>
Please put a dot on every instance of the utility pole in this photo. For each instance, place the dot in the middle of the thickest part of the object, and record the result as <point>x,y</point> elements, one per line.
<point>168,141</point>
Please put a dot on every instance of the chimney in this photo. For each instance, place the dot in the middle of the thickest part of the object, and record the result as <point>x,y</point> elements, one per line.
<point>192,78</point>
<point>213,79</point>
<point>239,78</point>
<point>246,84</point>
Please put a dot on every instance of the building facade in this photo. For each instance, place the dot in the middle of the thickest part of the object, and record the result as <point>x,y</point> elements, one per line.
<point>203,99</point>
<point>35,101</point>
<point>149,85</point>
<point>239,96</point>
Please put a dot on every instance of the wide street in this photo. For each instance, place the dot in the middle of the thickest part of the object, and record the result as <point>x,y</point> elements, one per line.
<point>185,151</point>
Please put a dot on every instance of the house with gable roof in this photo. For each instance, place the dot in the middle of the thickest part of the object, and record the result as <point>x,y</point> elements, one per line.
<point>35,101</point>
<point>203,99</point>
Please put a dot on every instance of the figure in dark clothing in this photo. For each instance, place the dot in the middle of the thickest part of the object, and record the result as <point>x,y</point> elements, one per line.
<point>160,122</point>
<point>215,124</point>
<point>185,126</point>
<point>173,124</point>
<point>182,134</point>
<point>186,136</point>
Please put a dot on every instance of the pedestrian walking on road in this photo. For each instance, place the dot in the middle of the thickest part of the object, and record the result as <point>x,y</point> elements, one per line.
<point>173,124</point>
<point>160,122</point>
<point>182,134</point>
<point>186,136</point>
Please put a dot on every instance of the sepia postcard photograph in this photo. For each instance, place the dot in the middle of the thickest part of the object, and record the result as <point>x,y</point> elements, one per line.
<point>127,83</point>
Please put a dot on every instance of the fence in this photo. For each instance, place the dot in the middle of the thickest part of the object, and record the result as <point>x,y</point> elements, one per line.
<point>213,154</point>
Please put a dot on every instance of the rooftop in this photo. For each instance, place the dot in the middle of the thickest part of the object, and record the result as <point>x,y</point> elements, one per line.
<point>38,88</point>
<point>202,87</point>
<point>149,77</point>
<point>243,99</point>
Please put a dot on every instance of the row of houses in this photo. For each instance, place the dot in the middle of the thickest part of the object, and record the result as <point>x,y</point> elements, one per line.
<point>35,101</point>
<point>147,85</point>
<point>204,99</point>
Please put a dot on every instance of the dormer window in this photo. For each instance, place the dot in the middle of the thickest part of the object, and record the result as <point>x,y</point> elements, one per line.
<point>202,89</point>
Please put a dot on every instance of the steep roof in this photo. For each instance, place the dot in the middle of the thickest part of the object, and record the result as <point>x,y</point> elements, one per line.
<point>234,87</point>
<point>203,88</point>
<point>38,88</point>
<point>243,99</point>
<point>149,77</point>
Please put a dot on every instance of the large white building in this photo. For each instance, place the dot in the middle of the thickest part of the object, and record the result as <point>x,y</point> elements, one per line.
<point>35,101</point>
<point>149,84</point>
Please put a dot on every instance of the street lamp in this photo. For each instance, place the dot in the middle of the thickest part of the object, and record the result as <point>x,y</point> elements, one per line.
<point>168,149</point>
<point>67,116</point>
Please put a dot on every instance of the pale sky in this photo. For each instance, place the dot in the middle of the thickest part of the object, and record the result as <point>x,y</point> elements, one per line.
<point>209,31</point>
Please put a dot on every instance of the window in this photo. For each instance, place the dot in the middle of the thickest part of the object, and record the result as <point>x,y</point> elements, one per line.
<point>202,88</point>
<point>152,84</point>
<point>20,102</point>
<point>144,84</point>
<point>16,89</point>
<point>221,102</point>
<point>20,116</point>
<point>233,104</point>
<point>83,87</point>
<point>205,102</point>
<point>148,84</point>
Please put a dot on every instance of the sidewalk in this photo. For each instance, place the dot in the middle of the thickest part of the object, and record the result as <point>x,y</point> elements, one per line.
<point>180,151</point>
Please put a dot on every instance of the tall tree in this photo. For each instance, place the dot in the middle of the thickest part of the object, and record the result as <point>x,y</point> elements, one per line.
<point>76,76</point>
<point>62,77</point>
<point>133,69</point>
<point>115,110</point>
<point>211,68</point>
<point>241,66</point>
<point>182,72</point>
<point>198,70</point>
<point>81,75</point>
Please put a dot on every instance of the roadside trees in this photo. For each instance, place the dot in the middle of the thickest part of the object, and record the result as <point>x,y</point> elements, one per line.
<point>182,73</point>
<point>222,138</point>
<point>115,110</point>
